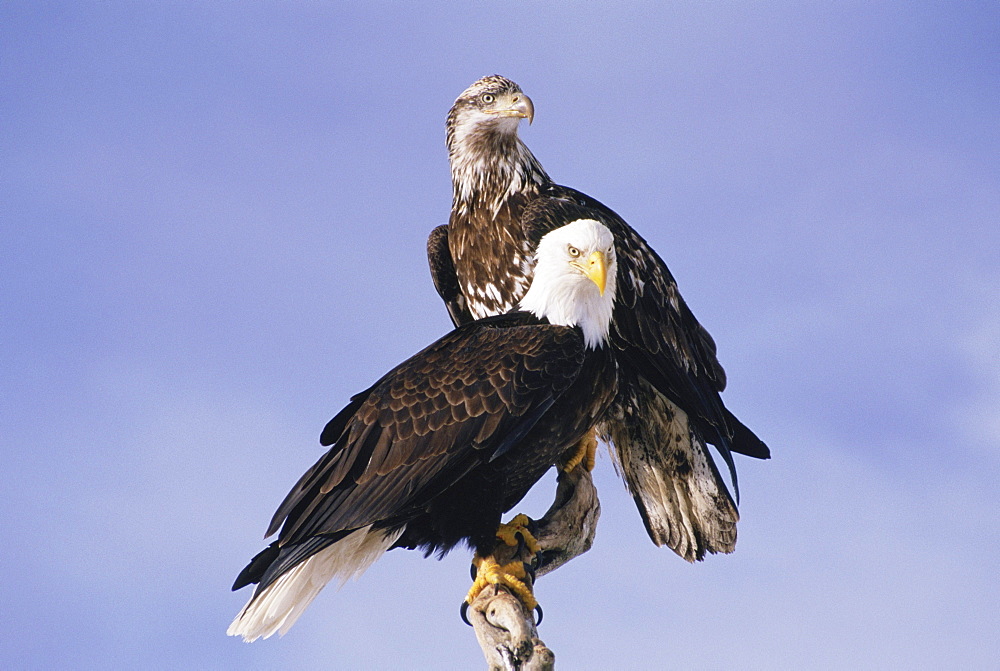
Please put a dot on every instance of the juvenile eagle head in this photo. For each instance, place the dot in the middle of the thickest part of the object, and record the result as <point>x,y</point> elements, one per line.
<point>485,153</point>
<point>493,104</point>
<point>575,279</point>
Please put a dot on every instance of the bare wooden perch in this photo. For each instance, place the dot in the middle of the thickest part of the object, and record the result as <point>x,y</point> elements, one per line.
<point>505,629</point>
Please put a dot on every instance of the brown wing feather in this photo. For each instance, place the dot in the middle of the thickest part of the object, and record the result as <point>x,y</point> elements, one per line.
<point>428,422</point>
<point>443,275</point>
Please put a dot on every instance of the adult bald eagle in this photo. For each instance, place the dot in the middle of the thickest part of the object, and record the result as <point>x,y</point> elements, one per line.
<point>435,451</point>
<point>668,406</point>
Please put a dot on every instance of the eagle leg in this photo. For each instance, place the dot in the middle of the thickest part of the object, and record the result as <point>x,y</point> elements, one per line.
<point>584,452</point>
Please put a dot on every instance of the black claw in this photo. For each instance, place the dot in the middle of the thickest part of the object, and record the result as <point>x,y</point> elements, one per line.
<point>531,526</point>
<point>540,615</point>
<point>530,570</point>
<point>473,572</point>
<point>464,613</point>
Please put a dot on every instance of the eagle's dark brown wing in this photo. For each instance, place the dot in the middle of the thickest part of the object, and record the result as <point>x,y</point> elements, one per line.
<point>668,406</point>
<point>653,327</point>
<point>444,277</point>
<point>461,402</point>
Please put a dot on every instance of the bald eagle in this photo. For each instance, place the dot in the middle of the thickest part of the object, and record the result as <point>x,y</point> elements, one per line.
<point>668,404</point>
<point>441,446</point>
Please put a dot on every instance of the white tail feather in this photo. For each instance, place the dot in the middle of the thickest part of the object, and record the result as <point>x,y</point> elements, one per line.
<point>280,605</point>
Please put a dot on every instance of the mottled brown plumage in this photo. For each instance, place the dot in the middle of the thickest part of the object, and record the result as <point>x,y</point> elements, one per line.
<point>669,406</point>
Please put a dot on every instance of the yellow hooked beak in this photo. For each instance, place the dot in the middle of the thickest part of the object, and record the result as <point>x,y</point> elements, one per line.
<point>520,106</point>
<point>596,268</point>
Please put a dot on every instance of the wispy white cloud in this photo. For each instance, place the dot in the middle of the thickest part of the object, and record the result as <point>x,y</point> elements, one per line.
<point>977,415</point>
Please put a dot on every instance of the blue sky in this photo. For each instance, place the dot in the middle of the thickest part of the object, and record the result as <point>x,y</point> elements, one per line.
<point>212,234</point>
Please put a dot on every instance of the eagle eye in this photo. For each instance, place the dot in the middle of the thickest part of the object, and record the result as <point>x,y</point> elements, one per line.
<point>487,98</point>
<point>573,251</point>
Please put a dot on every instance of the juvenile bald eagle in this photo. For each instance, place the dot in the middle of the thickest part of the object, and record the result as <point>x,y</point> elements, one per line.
<point>668,405</point>
<point>434,452</point>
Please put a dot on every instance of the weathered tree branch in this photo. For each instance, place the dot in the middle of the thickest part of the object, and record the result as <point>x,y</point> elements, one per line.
<point>505,629</point>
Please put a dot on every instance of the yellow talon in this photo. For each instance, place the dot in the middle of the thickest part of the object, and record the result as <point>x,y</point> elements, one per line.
<point>585,451</point>
<point>511,576</point>
<point>519,525</point>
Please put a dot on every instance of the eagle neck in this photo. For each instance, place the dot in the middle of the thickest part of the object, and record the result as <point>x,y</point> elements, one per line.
<point>572,304</point>
<point>494,176</point>
<point>489,167</point>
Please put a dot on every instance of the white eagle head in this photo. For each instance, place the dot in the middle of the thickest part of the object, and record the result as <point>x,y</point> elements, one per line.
<point>575,276</point>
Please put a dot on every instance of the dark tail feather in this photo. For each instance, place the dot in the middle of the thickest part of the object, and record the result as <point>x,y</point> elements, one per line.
<point>254,571</point>
<point>744,441</point>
